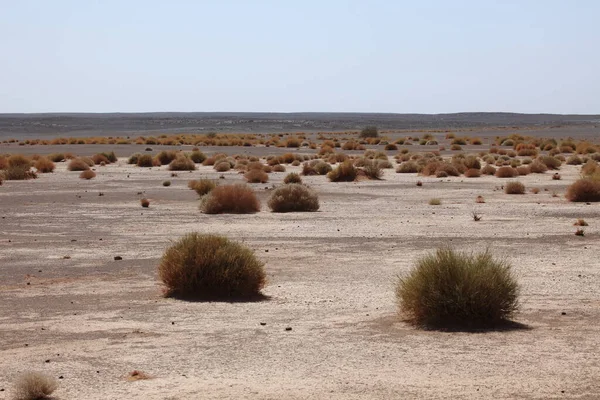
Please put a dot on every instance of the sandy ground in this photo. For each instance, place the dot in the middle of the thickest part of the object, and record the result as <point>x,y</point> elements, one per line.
<point>91,320</point>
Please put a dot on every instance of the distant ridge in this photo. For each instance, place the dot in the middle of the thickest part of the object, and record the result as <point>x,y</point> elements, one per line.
<point>78,124</point>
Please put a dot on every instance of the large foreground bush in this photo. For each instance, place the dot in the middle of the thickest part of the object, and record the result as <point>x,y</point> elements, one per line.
<point>209,266</point>
<point>449,288</point>
<point>293,197</point>
<point>584,190</point>
<point>230,199</point>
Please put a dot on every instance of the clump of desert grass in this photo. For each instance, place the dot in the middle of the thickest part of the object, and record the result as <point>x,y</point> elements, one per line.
<point>57,157</point>
<point>202,186</point>
<point>145,161</point>
<point>182,163</point>
<point>78,164</point>
<point>293,197</point>
<point>34,386</point>
<point>292,177</point>
<point>584,190</point>
<point>44,165</point>
<point>211,267</point>
<point>166,157</point>
<point>435,202</point>
<point>506,172</point>
<point>345,172</point>
<point>514,187</point>
<point>448,289</point>
<point>256,176</point>
<point>473,173</point>
<point>19,161</point>
<point>197,156</point>
<point>488,170</point>
<point>230,199</point>
<point>408,167</point>
<point>369,132</point>
<point>87,174</point>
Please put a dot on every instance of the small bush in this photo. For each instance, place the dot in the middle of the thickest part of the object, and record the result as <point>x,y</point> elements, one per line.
<point>523,170</point>
<point>34,386</point>
<point>145,161</point>
<point>453,289</point>
<point>556,176</point>
<point>145,203</point>
<point>18,173</point>
<point>182,163</point>
<point>166,157</point>
<point>488,170</point>
<point>473,173</point>
<point>345,172</point>
<point>231,199</point>
<point>407,167</point>
<point>18,160</point>
<point>57,157</point>
<point>479,199</point>
<point>197,156</point>
<point>202,186</point>
<point>222,166</point>
<point>100,158</point>
<point>133,159</point>
<point>574,160</point>
<point>256,176</point>
<point>209,266</point>
<point>278,168</point>
<point>584,190</point>
<point>372,169</point>
<point>44,165</point>
<point>506,172</point>
<point>87,174</point>
<point>537,167</point>
<point>292,178</point>
<point>514,188</point>
<point>580,222</point>
<point>550,162</point>
<point>369,132</point>
<point>435,202</point>
<point>322,168</point>
<point>293,197</point>
<point>77,164</point>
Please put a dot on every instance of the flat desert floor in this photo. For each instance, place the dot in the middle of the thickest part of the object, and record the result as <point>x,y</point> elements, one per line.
<point>70,310</point>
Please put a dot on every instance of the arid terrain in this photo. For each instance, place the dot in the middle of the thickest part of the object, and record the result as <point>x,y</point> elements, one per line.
<point>330,327</point>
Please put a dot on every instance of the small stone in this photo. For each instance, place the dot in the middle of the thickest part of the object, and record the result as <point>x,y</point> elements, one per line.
<point>172,322</point>
<point>47,361</point>
<point>563,313</point>
<point>263,323</point>
<point>289,328</point>
<point>118,258</point>
<point>61,377</point>
<point>267,250</point>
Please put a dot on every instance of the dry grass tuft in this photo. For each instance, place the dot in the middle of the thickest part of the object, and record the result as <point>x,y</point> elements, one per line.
<point>293,197</point>
<point>435,202</point>
<point>87,174</point>
<point>202,186</point>
<point>19,161</point>
<point>473,173</point>
<point>373,169</point>
<point>182,163</point>
<point>34,386</point>
<point>506,172</point>
<point>44,165</point>
<point>211,267</point>
<point>514,187</point>
<point>256,176</point>
<point>453,289</point>
<point>292,178</point>
<point>78,164</point>
<point>231,199</point>
<point>584,190</point>
<point>580,222</point>
<point>145,161</point>
<point>345,172</point>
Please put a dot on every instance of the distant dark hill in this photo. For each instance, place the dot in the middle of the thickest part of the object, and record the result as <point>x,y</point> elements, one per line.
<point>37,125</point>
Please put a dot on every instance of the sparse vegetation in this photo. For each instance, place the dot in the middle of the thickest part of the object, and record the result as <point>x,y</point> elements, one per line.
<point>256,176</point>
<point>293,197</point>
<point>454,289</point>
<point>230,199</point>
<point>345,172</point>
<point>77,164</point>
<point>87,174</point>
<point>182,163</point>
<point>145,161</point>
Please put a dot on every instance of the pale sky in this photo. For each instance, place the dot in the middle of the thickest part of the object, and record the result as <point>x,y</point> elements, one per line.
<point>285,56</point>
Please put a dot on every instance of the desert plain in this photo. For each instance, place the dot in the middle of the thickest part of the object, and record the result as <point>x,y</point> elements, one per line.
<point>330,326</point>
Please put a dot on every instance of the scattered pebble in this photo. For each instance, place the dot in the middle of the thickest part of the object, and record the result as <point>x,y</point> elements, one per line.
<point>118,258</point>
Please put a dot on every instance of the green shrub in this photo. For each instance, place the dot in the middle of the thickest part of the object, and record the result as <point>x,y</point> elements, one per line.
<point>210,267</point>
<point>449,288</point>
<point>230,199</point>
<point>293,197</point>
<point>345,172</point>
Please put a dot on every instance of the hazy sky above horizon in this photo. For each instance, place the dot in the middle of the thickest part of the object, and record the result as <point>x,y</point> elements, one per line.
<point>283,56</point>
